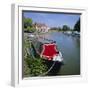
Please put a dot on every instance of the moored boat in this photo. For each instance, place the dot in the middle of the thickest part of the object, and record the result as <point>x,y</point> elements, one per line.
<point>47,49</point>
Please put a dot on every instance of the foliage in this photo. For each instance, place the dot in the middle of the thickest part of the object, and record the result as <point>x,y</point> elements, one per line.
<point>36,66</point>
<point>27,45</point>
<point>54,28</point>
<point>65,28</point>
<point>60,29</point>
<point>26,69</point>
<point>31,29</point>
<point>77,26</point>
<point>32,66</point>
<point>27,22</point>
<point>28,25</point>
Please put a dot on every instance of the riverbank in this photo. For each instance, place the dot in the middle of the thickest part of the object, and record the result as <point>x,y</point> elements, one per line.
<point>70,49</point>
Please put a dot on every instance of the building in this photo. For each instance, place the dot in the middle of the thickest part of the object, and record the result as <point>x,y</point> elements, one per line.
<point>41,27</point>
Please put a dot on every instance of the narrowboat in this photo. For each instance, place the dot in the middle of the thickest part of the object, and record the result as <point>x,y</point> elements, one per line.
<point>47,49</point>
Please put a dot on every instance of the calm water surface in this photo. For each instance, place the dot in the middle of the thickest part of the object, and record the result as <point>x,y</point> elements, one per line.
<point>70,49</point>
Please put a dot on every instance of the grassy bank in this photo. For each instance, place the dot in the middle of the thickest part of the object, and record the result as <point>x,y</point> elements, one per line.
<point>32,66</point>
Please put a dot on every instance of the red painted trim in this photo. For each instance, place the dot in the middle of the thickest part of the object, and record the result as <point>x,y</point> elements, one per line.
<point>45,56</point>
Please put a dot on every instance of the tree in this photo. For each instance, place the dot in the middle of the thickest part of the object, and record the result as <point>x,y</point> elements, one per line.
<point>59,29</point>
<point>27,22</point>
<point>77,26</point>
<point>54,28</point>
<point>65,28</point>
<point>28,25</point>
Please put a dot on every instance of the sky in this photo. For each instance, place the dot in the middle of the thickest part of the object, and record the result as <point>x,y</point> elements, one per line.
<point>53,19</point>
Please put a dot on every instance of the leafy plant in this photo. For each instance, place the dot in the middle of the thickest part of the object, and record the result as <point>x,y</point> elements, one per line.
<point>32,66</point>
<point>28,25</point>
<point>27,22</point>
<point>36,66</point>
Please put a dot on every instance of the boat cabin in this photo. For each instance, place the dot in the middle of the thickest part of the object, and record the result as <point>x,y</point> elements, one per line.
<point>47,49</point>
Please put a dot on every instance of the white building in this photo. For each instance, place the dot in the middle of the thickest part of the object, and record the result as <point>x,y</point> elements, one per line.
<point>41,27</point>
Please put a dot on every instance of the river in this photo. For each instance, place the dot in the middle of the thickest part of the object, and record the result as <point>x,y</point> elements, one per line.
<point>70,49</point>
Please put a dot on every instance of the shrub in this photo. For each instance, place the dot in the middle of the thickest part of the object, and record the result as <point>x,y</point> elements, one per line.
<point>32,66</point>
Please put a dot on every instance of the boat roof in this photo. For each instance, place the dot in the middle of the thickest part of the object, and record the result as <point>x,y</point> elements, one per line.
<point>45,41</point>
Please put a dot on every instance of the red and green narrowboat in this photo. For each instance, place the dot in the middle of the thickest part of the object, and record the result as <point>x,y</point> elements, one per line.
<point>47,49</point>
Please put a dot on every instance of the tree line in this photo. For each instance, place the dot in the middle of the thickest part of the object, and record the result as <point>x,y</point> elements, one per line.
<point>67,28</point>
<point>29,26</point>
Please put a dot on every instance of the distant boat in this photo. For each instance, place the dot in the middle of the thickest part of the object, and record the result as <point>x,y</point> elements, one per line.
<point>47,49</point>
<point>68,32</point>
<point>76,33</point>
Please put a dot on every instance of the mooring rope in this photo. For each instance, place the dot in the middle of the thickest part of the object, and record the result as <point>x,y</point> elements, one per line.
<point>48,69</point>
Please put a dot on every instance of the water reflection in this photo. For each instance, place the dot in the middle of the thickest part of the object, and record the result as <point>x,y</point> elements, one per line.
<point>70,49</point>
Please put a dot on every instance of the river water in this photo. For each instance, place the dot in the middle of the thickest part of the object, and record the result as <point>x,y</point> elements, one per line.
<point>70,49</point>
